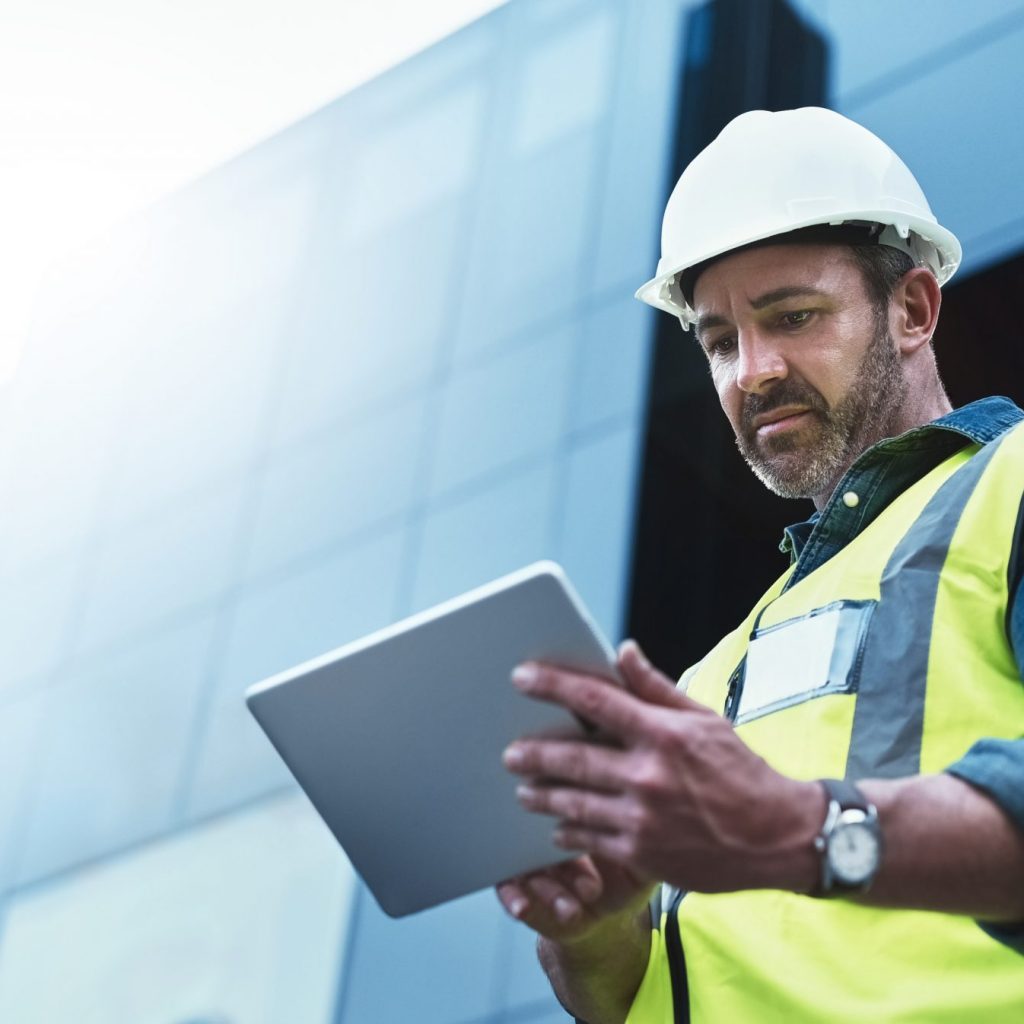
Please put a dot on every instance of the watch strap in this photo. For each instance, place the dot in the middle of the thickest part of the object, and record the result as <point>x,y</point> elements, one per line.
<point>846,794</point>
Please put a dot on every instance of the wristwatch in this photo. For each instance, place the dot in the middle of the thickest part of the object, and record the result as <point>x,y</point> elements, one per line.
<point>849,843</point>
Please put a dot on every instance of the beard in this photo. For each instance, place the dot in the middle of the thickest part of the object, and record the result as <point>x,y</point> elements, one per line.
<point>796,466</point>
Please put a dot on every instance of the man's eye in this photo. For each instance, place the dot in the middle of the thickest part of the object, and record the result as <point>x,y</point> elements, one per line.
<point>796,318</point>
<point>721,346</point>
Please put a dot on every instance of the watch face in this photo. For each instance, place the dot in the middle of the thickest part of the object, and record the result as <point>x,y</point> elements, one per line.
<point>853,853</point>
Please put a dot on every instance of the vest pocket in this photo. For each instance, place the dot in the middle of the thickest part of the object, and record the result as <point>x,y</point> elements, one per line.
<point>802,658</point>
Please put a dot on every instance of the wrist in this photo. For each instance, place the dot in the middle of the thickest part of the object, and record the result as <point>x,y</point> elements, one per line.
<point>604,935</point>
<point>596,976</point>
<point>849,845</point>
<point>795,865</point>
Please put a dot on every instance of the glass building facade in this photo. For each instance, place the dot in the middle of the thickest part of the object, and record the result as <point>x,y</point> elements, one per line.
<point>383,357</point>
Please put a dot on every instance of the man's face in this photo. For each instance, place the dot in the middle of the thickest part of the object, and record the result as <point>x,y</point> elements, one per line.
<point>806,373</point>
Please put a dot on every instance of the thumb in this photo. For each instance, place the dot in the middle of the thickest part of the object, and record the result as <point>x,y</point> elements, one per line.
<point>645,681</point>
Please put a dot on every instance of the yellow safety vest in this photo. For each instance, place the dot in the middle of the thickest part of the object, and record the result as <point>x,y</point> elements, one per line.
<point>921,669</point>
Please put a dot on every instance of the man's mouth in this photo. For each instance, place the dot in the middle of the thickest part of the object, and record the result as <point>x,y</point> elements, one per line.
<point>779,420</point>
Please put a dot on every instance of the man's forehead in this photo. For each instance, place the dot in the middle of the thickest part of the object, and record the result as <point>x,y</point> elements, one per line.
<point>772,273</point>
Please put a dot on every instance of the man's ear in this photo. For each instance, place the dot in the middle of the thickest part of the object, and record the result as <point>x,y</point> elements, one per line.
<point>914,310</point>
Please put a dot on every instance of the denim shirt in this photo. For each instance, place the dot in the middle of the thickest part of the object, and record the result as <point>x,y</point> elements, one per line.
<point>877,477</point>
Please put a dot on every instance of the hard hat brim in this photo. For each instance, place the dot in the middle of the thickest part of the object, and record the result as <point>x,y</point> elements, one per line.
<point>656,291</point>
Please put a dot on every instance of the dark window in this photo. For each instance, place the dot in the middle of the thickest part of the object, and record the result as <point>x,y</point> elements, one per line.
<point>979,343</point>
<point>706,542</point>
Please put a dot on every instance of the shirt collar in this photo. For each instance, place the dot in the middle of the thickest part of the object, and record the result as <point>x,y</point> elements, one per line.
<point>979,422</point>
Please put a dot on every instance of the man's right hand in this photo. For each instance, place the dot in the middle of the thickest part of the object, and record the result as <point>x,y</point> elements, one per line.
<point>594,929</point>
<point>568,902</point>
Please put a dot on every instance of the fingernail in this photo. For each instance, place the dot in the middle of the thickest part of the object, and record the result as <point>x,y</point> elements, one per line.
<point>524,676</point>
<point>564,908</point>
<point>513,756</point>
<point>526,794</point>
<point>640,656</point>
<point>518,908</point>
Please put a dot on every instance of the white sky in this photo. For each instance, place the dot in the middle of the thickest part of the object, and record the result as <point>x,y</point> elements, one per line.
<point>109,104</point>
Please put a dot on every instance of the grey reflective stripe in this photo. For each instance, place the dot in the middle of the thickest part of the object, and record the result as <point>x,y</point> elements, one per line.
<point>889,717</point>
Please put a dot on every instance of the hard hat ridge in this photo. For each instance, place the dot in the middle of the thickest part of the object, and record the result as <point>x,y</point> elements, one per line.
<point>770,174</point>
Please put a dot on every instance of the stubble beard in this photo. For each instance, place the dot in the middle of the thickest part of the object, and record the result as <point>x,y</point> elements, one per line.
<point>796,466</point>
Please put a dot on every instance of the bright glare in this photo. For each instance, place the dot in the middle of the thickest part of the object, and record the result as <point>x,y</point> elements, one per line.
<point>106,106</point>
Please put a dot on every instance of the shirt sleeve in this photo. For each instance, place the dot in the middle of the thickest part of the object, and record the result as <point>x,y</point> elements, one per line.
<point>997,768</point>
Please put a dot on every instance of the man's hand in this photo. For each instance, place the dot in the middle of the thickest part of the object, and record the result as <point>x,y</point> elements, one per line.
<point>567,902</point>
<point>675,796</point>
<point>594,929</point>
<point>666,791</point>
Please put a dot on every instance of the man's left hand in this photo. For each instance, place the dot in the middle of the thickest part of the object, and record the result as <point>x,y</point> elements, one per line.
<point>669,790</point>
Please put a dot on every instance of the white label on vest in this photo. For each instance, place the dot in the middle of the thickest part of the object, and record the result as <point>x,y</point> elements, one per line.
<point>792,659</point>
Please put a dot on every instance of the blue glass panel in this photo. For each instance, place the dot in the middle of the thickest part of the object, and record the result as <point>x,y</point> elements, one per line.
<point>628,222</point>
<point>316,492</point>
<point>434,72</point>
<point>412,160</point>
<point>240,920</point>
<point>19,721</point>
<point>48,520</point>
<point>544,14</point>
<point>525,987</point>
<point>972,185</point>
<point>529,256</point>
<point>371,318</point>
<point>36,615</point>
<point>236,762</point>
<point>95,299</point>
<point>180,558</point>
<point>564,82</point>
<point>445,959</point>
<point>57,444</point>
<point>876,38</point>
<point>510,408</point>
<point>276,624</point>
<point>615,347</point>
<point>196,392</point>
<point>112,747</point>
<point>598,521</point>
<point>198,422</point>
<point>484,536</point>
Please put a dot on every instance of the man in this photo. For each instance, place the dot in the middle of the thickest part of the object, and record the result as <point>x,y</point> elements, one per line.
<point>804,256</point>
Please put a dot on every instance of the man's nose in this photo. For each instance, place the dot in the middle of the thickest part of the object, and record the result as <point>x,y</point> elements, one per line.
<point>760,365</point>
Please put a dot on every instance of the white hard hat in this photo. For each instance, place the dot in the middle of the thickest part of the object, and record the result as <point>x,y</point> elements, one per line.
<point>768,174</point>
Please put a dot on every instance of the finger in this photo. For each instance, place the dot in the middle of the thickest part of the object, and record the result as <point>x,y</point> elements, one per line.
<point>513,897</point>
<point>579,875</point>
<point>588,764</point>
<point>650,685</point>
<point>582,878</point>
<point>559,900</point>
<point>609,707</point>
<point>614,846</point>
<point>574,806</point>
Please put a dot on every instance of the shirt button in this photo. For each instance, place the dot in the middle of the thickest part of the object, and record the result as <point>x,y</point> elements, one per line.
<point>851,499</point>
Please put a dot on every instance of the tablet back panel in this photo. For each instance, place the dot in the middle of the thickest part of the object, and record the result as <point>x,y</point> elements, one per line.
<point>397,738</point>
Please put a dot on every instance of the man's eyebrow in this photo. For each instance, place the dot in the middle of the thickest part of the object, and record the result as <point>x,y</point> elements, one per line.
<point>705,323</point>
<point>781,294</point>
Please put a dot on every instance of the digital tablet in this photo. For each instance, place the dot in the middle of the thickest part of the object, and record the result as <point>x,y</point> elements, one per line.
<point>397,738</point>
